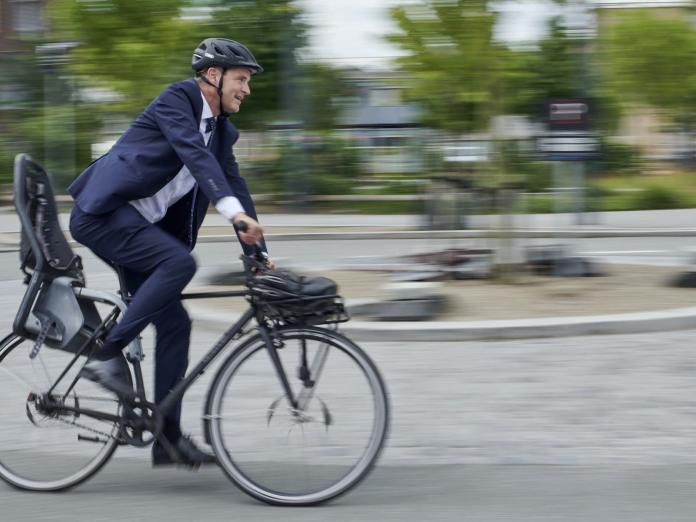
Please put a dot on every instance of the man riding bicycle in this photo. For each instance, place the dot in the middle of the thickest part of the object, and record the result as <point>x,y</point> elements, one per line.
<point>140,207</point>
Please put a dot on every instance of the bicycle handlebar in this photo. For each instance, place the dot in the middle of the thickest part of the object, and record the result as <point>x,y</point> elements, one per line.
<point>259,255</point>
<point>241,226</point>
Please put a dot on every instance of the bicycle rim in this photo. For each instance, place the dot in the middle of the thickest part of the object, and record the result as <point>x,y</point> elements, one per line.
<point>286,457</point>
<point>43,451</point>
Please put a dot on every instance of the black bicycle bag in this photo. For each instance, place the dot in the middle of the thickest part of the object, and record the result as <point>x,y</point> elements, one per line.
<point>294,299</point>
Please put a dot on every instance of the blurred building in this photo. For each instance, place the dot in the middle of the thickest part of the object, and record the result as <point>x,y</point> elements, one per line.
<point>20,21</point>
<point>375,118</point>
<point>381,123</point>
<point>20,18</point>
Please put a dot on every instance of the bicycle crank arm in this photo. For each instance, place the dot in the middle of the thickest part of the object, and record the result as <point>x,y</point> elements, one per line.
<point>91,439</point>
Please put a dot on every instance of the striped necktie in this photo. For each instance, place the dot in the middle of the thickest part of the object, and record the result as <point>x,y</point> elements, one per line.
<point>210,128</point>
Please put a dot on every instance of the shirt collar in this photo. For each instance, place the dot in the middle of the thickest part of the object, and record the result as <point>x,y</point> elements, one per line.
<point>207,111</point>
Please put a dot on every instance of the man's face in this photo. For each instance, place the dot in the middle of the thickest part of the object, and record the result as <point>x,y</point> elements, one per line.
<point>235,88</point>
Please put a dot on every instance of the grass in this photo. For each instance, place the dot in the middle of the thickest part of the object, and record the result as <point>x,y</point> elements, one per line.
<point>644,192</point>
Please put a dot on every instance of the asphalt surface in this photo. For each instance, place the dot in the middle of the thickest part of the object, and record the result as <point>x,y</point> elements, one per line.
<point>600,428</point>
<point>582,428</point>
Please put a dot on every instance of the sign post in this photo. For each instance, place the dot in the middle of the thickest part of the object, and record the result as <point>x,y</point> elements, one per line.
<point>569,138</point>
<point>569,142</point>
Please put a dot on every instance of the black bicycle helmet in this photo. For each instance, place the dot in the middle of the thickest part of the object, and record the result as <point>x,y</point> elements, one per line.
<point>221,52</point>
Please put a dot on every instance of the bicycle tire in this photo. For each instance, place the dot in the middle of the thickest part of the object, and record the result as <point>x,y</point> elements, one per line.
<point>32,443</point>
<point>340,373</point>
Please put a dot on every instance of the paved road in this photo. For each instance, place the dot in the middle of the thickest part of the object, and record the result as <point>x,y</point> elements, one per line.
<point>592,428</point>
<point>224,256</point>
<point>130,491</point>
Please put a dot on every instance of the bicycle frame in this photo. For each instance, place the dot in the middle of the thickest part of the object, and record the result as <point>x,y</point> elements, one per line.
<point>237,329</point>
<point>135,356</point>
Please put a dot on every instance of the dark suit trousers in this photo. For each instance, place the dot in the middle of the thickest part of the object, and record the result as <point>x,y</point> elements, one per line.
<point>157,268</point>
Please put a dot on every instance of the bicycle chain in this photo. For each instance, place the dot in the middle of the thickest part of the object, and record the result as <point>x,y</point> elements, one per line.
<point>87,428</point>
<point>93,430</point>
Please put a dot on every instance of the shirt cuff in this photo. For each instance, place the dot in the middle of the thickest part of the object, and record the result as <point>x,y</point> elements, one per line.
<point>229,206</point>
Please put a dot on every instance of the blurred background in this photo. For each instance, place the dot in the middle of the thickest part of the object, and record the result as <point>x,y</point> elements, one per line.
<point>413,99</point>
<point>497,118</point>
<point>457,156</point>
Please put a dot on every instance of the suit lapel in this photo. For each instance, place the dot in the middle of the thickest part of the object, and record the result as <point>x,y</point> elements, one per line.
<point>217,137</point>
<point>193,92</point>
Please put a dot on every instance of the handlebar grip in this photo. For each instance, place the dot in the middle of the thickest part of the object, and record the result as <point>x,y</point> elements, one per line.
<point>259,254</point>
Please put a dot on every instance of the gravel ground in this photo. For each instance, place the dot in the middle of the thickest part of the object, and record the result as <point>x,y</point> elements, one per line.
<point>623,289</point>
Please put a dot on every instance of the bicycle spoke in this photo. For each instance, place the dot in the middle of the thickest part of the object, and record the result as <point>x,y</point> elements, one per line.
<point>47,442</point>
<point>45,369</point>
<point>289,455</point>
<point>26,384</point>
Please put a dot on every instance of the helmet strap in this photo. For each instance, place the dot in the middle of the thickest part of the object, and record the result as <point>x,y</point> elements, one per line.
<point>219,91</point>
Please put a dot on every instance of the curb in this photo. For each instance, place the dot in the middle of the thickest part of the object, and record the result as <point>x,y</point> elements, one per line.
<point>640,322</point>
<point>12,245</point>
<point>467,234</point>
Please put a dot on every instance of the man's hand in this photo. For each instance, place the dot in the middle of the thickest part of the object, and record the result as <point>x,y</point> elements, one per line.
<point>254,231</point>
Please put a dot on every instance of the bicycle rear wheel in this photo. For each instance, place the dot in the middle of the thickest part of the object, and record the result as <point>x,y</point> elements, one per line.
<point>44,448</point>
<point>306,455</point>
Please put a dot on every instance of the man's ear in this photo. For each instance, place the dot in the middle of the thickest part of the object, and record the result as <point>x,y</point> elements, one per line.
<point>214,74</point>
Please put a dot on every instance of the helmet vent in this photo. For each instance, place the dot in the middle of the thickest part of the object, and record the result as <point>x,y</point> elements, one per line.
<point>221,52</point>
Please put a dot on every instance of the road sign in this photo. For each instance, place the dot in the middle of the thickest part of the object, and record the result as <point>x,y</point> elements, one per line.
<point>568,114</point>
<point>568,146</point>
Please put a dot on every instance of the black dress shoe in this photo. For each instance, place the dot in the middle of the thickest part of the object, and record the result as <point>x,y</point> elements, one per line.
<point>186,454</point>
<point>112,374</point>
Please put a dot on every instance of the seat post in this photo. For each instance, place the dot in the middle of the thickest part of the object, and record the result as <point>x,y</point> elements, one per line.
<point>122,287</point>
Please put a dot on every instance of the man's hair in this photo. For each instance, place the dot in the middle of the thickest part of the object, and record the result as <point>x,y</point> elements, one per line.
<point>203,72</point>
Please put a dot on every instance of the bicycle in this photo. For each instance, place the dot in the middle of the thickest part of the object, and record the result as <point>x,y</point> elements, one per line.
<point>58,430</point>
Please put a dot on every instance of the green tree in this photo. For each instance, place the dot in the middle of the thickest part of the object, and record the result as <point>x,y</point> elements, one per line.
<point>563,67</point>
<point>554,68</point>
<point>137,47</point>
<point>39,116</point>
<point>453,68</point>
<point>321,86</point>
<point>20,88</point>
<point>651,59</point>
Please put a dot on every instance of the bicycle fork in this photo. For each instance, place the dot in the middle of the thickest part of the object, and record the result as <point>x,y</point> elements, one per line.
<point>272,345</point>
<point>309,375</point>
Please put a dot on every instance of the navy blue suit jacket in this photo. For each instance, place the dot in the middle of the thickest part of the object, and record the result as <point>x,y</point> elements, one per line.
<point>163,139</point>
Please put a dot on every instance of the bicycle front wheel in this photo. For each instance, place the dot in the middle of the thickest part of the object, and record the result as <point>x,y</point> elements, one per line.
<point>313,451</point>
<point>44,447</point>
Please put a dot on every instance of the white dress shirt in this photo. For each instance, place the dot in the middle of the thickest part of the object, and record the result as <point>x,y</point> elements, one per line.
<point>154,208</point>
